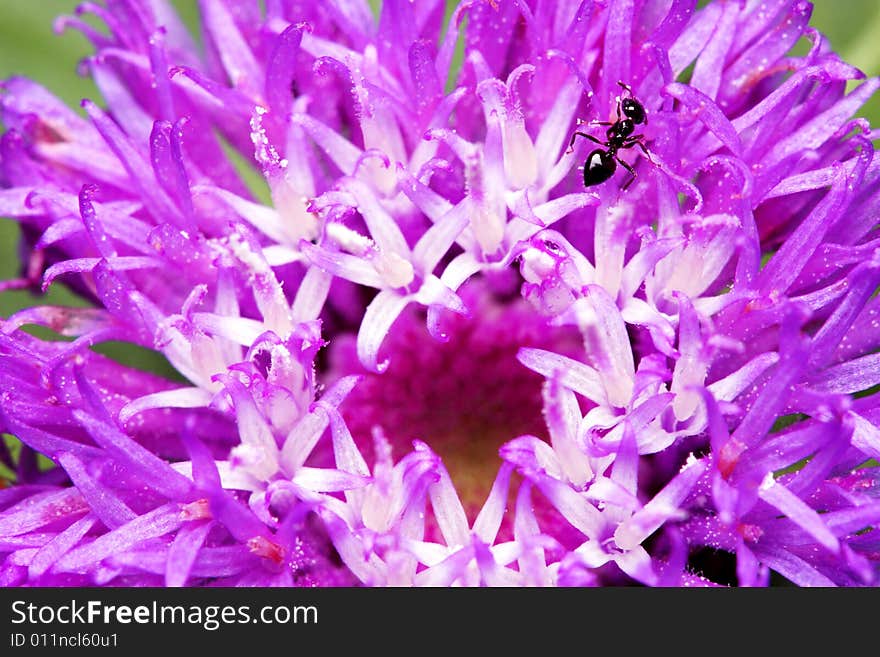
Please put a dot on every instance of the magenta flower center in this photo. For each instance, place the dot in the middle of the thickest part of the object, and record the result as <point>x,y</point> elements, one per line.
<point>464,397</point>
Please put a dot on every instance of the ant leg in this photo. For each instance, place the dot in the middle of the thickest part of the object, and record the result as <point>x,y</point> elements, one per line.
<point>626,88</point>
<point>585,136</point>
<point>632,174</point>
<point>644,150</point>
<point>593,122</point>
<point>636,140</point>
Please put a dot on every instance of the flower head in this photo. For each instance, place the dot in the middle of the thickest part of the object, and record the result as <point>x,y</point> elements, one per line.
<point>421,351</point>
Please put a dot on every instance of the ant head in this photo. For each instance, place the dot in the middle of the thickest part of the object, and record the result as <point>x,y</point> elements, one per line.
<point>633,110</point>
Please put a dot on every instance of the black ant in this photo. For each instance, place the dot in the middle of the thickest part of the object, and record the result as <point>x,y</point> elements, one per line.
<point>601,164</point>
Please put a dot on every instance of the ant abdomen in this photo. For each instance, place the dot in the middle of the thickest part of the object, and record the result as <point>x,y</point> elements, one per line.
<point>598,168</point>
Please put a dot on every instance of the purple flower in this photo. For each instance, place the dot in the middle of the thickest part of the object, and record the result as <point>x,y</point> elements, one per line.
<point>414,348</point>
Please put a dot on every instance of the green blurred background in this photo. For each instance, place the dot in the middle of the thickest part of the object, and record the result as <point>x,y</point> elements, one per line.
<point>29,46</point>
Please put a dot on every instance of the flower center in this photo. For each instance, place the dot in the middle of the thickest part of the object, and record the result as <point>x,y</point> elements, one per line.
<point>465,397</point>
